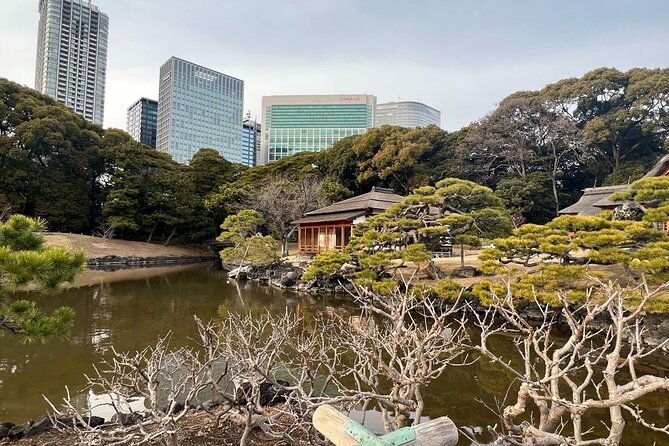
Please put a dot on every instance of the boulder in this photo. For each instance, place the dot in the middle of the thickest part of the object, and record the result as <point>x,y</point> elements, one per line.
<point>39,427</point>
<point>128,419</point>
<point>465,272</point>
<point>289,279</point>
<point>270,392</point>
<point>5,428</point>
<point>19,431</point>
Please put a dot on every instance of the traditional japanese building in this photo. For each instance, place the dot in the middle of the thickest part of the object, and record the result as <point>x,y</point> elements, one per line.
<point>596,199</point>
<point>330,227</point>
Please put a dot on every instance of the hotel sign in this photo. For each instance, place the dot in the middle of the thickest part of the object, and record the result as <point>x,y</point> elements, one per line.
<point>350,99</point>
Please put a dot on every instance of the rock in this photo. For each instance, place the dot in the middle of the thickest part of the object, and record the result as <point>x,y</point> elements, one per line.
<point>348,268</point>
<point>288,279</point>
<point>19,431</point>
<point>39,427</point>
<point>465,272</point>
<point>5,428</point>
<point>178,407</point>
<point>211,404</point>
<point>664,326</point>
<point>270,393</point>
<point>128,419</point>
<point>629,210</point>
<point>94,421</point>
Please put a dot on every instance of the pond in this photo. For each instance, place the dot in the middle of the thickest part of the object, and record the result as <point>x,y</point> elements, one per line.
<point>134,312</point>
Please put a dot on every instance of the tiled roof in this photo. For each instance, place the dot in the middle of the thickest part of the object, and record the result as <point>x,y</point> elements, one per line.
<point>325,218</point>
<point>373,202</point>
<point>376,199</point>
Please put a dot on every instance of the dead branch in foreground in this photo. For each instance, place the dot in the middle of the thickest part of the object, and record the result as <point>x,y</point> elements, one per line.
<point>595,367</point>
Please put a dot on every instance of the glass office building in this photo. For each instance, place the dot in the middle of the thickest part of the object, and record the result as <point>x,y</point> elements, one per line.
<point>143,121</point>
<point>197,108</point>
<point>250,142</point>
<point>407,114</point>
<point>72,55</point>
<point>294,124</point>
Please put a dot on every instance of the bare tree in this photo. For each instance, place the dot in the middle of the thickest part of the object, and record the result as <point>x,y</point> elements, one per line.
<point>400,343</point>
<point>564,379</point>
<point>105,230</point>
<point>282,200</point>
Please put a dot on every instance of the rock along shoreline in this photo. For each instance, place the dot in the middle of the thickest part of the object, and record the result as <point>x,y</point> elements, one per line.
<point>113,261</point>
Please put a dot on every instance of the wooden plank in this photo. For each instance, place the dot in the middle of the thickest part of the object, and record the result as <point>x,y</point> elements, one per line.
<point>438,432</point>
<point>331,423</point>
<point>337,428</point>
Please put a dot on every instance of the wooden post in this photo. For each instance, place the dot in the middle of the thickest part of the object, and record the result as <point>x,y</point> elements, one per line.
<point>343,431</point>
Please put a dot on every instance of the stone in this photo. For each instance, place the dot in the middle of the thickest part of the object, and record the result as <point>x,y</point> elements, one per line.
<point>288,279</point>
<point>270,392</point>
<point>94,421</point>
<point>464,272</point>
<point>5,428</point>
<point>39,427</point>
<point>629,210</point>
<point>128,419</point>
<point>19,431</point>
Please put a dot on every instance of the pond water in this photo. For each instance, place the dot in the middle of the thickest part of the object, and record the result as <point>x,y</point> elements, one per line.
<point>134,312</point>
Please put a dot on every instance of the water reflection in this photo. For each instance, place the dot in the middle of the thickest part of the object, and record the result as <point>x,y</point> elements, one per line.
<point>134,313</point>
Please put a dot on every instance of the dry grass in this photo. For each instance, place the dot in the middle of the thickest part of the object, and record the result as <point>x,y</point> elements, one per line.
<point>99,247</point>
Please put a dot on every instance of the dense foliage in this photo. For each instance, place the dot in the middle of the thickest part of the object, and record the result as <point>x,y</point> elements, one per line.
<point>24,261</point>
<point>537,150</point>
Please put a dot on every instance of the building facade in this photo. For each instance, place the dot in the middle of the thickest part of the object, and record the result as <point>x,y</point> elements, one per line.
<point>143,121</point>
<point>330,227</point>
<point>199,108</point>
<point>294,124</point>
<point>407,114</point>
<point>250,141</point>
<point>72,55</point>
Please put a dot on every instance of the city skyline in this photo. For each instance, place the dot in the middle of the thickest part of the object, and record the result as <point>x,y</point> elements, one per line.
<point>461,58</point>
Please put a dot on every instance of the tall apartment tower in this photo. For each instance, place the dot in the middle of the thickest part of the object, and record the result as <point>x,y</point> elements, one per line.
<point>409,114</point>
<point>294,124</point>
<point>250,141</point>
<point>143,121</point>
<point>72,55</point>
<point>199,108</point>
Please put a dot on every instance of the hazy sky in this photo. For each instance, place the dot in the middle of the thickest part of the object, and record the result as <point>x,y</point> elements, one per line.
<point>459,56</point>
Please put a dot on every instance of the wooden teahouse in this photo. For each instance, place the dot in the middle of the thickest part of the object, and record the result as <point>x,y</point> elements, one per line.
<point>330,227</point>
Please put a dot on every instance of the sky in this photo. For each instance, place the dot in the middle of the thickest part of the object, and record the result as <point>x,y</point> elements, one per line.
<point>461,57</point>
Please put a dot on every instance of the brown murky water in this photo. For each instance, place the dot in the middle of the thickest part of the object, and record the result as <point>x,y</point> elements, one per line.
<point>134,312</point>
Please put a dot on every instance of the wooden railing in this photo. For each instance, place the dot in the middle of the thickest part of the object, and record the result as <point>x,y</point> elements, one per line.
<point>343,431</point>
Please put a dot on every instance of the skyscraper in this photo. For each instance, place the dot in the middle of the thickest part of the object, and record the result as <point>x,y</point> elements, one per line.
<point>143,121</point>
<point>250,141</point>
<point>406,114</point>
<point>197,108</point>
<point>72,55</point>
<point>294,124</point>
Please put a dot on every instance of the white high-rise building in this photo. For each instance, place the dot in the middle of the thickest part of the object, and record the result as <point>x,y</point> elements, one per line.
<point>72,55</point>
<point>408,114</point>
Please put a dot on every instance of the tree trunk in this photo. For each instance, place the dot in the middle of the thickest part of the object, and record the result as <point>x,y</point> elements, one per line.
<point>174,231</point>
<point>148,240</point>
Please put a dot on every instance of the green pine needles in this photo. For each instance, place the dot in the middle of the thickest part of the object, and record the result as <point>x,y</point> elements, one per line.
<point>26,263</point>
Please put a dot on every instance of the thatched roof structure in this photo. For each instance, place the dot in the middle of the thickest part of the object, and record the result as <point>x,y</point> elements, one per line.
<point>594,201</point>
